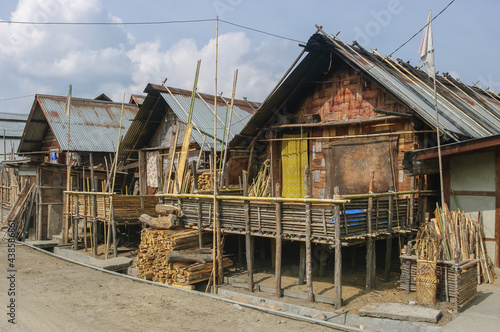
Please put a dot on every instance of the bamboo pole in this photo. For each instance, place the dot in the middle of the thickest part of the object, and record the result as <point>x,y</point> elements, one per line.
<point>235,79</point>
<point>75,225</point>
<point>94,204</point>
<point>310,294</point>
<point>112,221</point>
<point>248,236</point>
<point>338,253</point>
<point>370,254</point>
<point>388,244</point>
<point>214,174</point>
<point>279,239</point>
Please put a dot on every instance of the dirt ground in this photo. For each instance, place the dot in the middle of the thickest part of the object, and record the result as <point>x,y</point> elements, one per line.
<point>353,290</point>
<point>55,295</point>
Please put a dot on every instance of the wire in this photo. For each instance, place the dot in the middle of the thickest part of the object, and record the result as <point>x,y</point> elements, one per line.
<point>108,23</point>
<point>19,97</point>
<point>151,23</point>
<point>390,55</point>
<point>261,31</point>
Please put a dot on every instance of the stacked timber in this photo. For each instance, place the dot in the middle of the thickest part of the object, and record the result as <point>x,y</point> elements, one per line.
<point>205,181</point>
<point>172,257</point>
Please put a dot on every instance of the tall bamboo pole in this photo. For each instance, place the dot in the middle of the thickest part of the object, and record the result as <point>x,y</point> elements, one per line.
<point>214,237</point>
<point>338,253</point>
<point>115,166</point>
<point>68,170</point>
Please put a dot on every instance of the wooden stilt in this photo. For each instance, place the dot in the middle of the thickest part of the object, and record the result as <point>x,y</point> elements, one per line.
<point>338,254</point>
<point>115,238</point>
<point>248,236</point>
<point>38,219</point>
<point>370,278</point>
<point>388,244</point>
<point>310,293</point>
<point>200,226</point>
<point>75,225</point>
<point>94,205</point>
<point>302,264</point>
<point>220,249</point>
<point>279,239</point>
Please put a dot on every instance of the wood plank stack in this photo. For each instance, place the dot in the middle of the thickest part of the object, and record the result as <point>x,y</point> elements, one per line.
<point>152,263</point>
<point>205,181</point>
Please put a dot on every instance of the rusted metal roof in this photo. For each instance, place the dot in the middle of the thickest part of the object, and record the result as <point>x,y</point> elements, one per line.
<point>93,124</point>
<point>464,112</point>
<point>159,101</point>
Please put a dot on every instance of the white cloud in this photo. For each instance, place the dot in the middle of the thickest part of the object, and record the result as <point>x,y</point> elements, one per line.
<point>178,63</point>
<point>111,59</point>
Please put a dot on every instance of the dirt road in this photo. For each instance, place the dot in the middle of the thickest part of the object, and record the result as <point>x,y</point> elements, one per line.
<point>55,295</point>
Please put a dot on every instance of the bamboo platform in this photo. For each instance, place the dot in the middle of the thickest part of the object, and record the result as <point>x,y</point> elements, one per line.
<point>262,215</point>
<point>126,208</point>
<point>198,214</point>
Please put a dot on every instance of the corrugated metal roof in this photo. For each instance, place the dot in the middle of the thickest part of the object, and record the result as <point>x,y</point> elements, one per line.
<point>94,124</point>
<point>158,101</point>
<point>464,112</point>
<point>13,124</point>
<point>203,118</point>
<point>457,117</point>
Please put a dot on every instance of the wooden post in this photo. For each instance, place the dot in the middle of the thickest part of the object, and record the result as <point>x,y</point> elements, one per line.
<point>248,236</point>
<point>310,294</point>
<point>279,239</point>
<point>115,239</point>
<point>194,170</point>
<point>370,252</point>
<point>142,172</point>
<point>75,225</point>
<point>388,244</point>
<point>338,254</point>
<point>412,204</point>
<point>200,230</point>
<point>220,249</point>
<point>39,220</point>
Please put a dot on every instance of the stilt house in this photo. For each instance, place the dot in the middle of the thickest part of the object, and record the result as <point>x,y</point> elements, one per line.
<point>89,133</point>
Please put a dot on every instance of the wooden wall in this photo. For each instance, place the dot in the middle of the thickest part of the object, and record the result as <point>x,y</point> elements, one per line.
<point>346,101</point>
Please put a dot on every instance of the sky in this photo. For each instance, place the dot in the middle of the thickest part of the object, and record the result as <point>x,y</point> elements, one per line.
<point>123,59</point>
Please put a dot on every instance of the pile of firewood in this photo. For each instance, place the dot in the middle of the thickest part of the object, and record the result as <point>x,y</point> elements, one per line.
<point>205,181</point>
<point>172,257</point>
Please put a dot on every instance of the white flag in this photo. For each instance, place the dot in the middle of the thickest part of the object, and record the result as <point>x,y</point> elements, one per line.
<point>68,101</point>
<point>426,49</point>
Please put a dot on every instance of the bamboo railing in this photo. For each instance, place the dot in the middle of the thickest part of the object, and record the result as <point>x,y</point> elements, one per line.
<point>198,213</point>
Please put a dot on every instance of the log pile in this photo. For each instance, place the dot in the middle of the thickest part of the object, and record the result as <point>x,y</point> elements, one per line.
<point>205,181</point>
<point>172,257</point>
